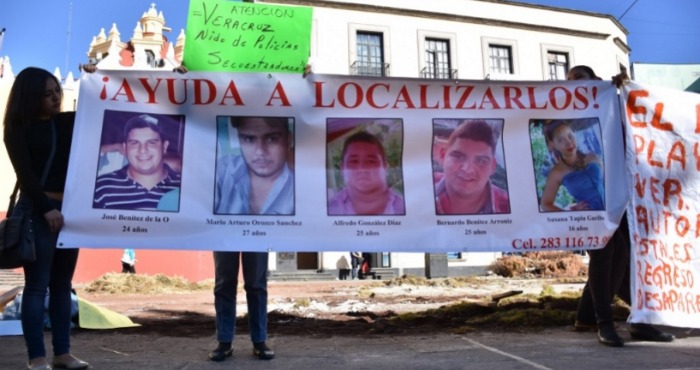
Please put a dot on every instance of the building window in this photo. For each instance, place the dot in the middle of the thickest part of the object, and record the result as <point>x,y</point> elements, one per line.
<point>501,60</point>
<point>370,55</point>
<point>386,259</point>
<point>380,259</point>
<point>454,255</point>
<point>437,59</point>
<point>558,64</point>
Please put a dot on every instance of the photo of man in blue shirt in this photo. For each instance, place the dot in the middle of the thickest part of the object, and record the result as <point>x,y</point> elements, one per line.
<point>259,179</point>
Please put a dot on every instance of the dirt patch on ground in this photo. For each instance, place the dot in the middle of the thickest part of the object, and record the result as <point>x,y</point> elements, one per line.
<point>527,292</point>
<point>405,305</point>
<point>541,265</point>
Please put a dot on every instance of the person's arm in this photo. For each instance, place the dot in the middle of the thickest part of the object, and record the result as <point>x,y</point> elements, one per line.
<point>89,68</point>
<point>18,151</point>
<point>307,71</point>
<point>620,79</point>
<point>549,194</point>
<point>181,69</point>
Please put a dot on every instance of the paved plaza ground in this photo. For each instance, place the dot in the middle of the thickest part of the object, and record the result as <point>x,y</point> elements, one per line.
<point>363,325</point>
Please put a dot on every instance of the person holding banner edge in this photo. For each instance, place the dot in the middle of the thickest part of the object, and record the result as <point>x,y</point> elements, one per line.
<point>258,181</point>
<point>607,268</point>
<point>255,133</point>
<point>38,141</point>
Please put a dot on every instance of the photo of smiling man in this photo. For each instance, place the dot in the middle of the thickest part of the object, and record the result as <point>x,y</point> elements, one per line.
<point>467,175</point>
<point>147,160</point>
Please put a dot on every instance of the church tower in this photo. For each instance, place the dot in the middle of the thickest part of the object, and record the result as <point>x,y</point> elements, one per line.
<point>148,48</point>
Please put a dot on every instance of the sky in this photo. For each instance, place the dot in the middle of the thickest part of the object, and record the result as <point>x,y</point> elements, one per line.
<point>57,33</point>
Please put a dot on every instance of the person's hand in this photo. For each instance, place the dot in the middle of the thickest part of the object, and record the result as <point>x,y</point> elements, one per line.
<point>579,206</point>
<point>88,68</point>
<point>55,220</point>
<point>307,71</point>
<point>181,69</point>
<point>620,79</point>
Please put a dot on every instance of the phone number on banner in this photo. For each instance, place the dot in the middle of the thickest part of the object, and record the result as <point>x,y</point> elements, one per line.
<point>569,242</point>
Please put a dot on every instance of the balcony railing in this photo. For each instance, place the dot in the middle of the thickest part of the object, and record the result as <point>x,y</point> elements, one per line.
<point>442,74</point>
<point>359,68</point>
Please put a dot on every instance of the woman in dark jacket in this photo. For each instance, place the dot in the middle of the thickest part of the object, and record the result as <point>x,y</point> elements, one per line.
<point>38,139</point>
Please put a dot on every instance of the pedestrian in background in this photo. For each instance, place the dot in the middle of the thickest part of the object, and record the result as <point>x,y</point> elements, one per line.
<point>355,262</point>
<point>129,261</point>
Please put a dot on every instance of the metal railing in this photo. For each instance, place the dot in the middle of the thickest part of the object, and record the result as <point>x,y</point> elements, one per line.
<point>359,68</point>
<point>443,74</point>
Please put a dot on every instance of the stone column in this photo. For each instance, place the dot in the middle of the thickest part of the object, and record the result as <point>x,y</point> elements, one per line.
<point>436,265</point>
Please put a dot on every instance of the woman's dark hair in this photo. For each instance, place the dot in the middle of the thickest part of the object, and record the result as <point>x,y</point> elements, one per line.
<point>552,126</point>
<point>25,101</point>
<point>589,71</point>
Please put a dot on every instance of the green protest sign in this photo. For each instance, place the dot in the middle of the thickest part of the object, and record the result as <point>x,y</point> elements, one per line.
<point>236,36</point>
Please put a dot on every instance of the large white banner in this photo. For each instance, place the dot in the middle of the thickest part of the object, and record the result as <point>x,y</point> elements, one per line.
<point>663,132</point>
<point>224,161</point>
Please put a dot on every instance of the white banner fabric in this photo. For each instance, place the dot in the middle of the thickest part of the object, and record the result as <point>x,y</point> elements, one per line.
<point>168,161</point>
<point>663,127</point>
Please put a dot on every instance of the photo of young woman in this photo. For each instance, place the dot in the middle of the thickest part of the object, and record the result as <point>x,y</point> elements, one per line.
<point>568,156</point>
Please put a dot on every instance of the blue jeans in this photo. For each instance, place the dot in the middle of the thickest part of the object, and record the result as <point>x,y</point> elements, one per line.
<point>355,263</point>
<point>226,265</point>
<point>52,270</point>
